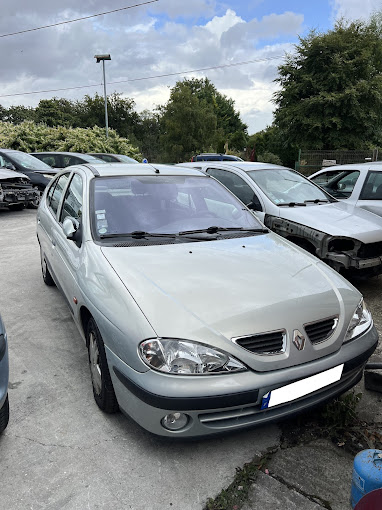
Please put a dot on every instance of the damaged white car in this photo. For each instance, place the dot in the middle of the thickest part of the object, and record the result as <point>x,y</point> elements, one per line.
<point>16,191</point>
<point>344,236</point>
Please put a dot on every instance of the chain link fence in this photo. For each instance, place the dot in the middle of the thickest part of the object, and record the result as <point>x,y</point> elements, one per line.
<point>312,161</point>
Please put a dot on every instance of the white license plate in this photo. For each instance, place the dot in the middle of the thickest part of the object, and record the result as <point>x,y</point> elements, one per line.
<point>301,388</point>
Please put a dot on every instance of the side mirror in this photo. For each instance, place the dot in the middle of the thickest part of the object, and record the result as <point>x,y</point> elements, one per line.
<point>70,227</point>
<point>9,166</point>
<point>72,230</point>
<point>254,204</point>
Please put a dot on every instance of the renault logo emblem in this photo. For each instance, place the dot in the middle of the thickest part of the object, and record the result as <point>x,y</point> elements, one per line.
<point>298,340</point>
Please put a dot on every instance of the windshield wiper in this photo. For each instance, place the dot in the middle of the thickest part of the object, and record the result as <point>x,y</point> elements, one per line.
<point>137,234</point>
<point>292,204</point>
<point>317,201</point>
<point>215,230</point>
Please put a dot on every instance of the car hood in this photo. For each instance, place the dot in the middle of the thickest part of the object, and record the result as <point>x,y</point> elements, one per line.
<point>337,219</point>
<point>11,174</point>
<point>214,291</point>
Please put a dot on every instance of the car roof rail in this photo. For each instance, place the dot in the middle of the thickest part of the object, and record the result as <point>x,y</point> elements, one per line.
<point>92,169</point>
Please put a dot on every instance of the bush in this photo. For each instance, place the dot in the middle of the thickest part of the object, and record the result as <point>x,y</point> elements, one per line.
<point>31,137</point>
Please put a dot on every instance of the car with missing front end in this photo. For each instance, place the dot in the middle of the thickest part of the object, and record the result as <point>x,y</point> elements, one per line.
<point>346,237</point>
<point>197,318</point>
<point>16,191</point>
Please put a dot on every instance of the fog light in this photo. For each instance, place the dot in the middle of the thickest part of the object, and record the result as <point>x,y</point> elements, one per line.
<point>175,421</point>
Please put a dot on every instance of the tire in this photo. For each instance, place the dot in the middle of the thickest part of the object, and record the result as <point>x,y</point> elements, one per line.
<point>16,207</point>
<point>103,390</point>
<point>35,203</point>
<point>46,276</point>
<point>4,415</point>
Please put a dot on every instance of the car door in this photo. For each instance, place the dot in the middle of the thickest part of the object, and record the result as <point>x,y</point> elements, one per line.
<point>68,251</point>
<point>47,218</point>
<point>239,187</point>
<point>370,197</point>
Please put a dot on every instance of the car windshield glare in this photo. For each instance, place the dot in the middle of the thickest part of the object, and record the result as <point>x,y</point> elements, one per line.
<point>29,162</point>
<point>286,187</point>
<point>164,204</point>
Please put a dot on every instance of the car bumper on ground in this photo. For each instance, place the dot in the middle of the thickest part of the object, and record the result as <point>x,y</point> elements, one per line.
<point>214,404</point>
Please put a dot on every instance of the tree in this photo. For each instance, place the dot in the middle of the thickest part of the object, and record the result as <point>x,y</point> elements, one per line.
<point>331,88</point>
<point>56,112</point>
<point>188,124</point>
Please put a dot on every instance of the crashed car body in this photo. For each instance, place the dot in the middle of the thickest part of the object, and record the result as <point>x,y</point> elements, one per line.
<point>346,237</point>
<point>196,317</point>
<point>16,190</point>
<point>4,376</point>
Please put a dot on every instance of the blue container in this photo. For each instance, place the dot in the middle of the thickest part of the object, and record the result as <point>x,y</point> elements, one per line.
<point>367,474</point>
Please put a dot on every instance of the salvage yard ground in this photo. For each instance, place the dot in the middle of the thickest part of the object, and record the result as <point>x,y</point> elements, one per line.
<point>59,450</point>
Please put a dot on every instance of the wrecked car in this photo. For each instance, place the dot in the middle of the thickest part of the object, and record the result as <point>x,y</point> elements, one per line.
<point>346,237</point>
<point>16,191</point>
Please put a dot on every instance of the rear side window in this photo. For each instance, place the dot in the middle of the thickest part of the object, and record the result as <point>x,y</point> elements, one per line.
<point>55,192</point>
<point>372,189</point>
<point>72,205</point>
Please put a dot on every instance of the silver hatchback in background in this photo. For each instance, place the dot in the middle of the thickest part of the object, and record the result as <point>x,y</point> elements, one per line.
<point>197,318</point>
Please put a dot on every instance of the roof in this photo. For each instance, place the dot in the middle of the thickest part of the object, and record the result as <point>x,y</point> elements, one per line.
<point>246,166</point>
<point>371,165</point>
<point>115,169</point>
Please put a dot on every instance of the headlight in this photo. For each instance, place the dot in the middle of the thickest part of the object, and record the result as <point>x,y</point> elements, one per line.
<point>360,321</point>
<point>186,358</point>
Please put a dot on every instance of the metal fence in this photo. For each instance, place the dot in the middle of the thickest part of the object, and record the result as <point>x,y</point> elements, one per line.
<point>312,161</point>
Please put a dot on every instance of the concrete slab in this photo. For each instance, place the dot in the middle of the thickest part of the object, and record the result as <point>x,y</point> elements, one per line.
<point>319,470</point>
<point>270,494</point>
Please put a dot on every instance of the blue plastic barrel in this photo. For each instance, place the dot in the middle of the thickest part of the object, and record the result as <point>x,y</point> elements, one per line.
<point>367,474</point>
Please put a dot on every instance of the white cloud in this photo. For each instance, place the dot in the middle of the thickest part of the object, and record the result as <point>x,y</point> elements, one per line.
<point>354,9</point>
<point>143,44</point>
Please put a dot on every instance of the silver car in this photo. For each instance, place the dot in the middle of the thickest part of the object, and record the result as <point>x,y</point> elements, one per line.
<point>4,376</point>
<point>357,184</point>
<point>346,237</point>
<point>197,318</point>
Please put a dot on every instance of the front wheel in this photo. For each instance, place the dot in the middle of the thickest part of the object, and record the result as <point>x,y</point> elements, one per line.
<point>4,415</point>
<point>36,202</point>
<point>103,390</point>
<point>46,276</point>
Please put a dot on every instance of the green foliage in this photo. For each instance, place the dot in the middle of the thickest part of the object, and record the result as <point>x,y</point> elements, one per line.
<point>331,88</point>
<point>341,412</point>
<point>30,137</point>
<point>188,124</point>
<point>271,141</point>
<point>269,157</point>
<point>197,118</point>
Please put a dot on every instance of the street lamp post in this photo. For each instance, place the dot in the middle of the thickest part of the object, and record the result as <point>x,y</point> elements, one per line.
<point>102,58</point>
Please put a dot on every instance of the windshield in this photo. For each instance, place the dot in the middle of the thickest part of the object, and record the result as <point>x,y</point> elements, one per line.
<point>27,161</point>
<point>285,187</point>
<point>164,204</point>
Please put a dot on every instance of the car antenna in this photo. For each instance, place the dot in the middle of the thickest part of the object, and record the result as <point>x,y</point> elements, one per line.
<point>156,170</point>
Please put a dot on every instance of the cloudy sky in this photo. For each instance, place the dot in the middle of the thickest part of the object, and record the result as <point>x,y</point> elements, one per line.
<point>244,40</point>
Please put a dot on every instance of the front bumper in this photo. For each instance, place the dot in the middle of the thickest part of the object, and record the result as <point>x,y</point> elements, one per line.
<point>18,196</point>
<point>221,403</point>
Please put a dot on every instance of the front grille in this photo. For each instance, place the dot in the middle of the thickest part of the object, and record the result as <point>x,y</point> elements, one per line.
<point>321,330</point>
<point>263,343</point>
<point>370,250</point>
